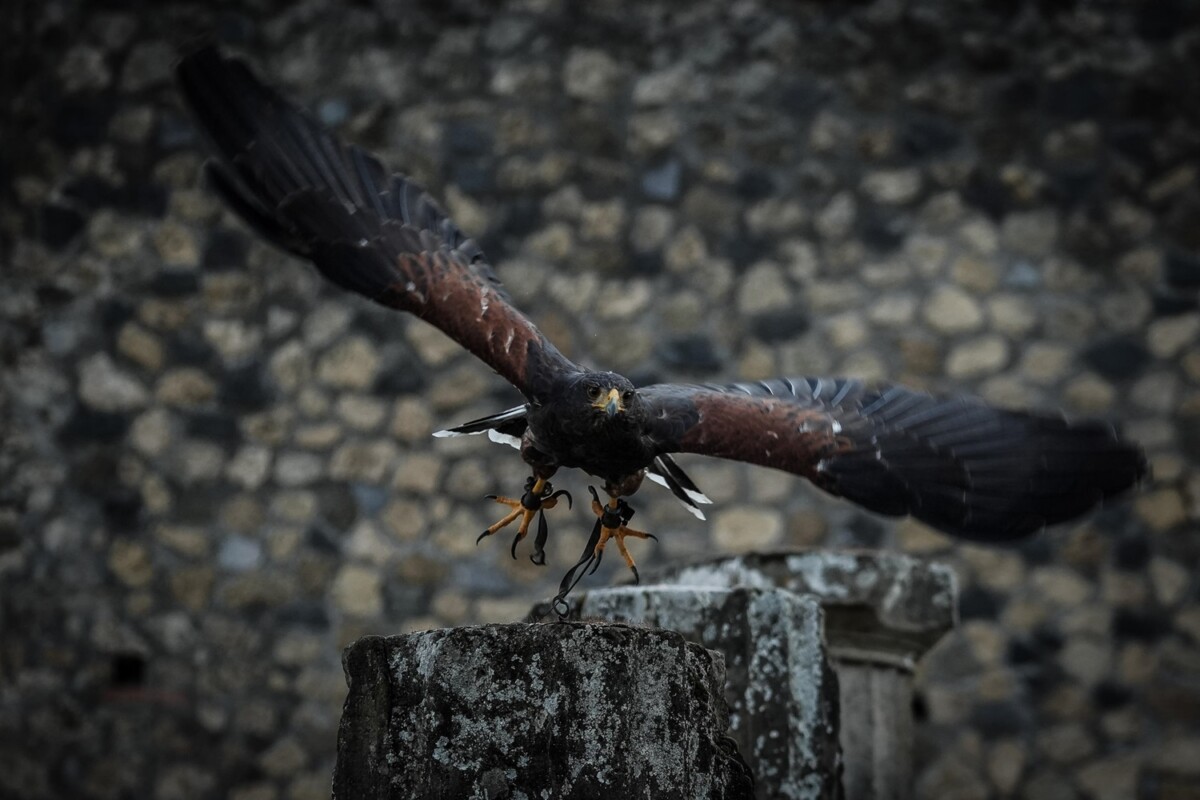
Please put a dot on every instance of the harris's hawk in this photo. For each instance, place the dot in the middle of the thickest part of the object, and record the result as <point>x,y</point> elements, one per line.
<point>961,466</point>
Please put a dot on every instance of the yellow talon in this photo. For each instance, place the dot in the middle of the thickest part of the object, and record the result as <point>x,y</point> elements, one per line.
<point>539,495</point>
<point>612,526</point>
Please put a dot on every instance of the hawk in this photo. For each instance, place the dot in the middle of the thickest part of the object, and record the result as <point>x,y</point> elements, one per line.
<point>963,467</point>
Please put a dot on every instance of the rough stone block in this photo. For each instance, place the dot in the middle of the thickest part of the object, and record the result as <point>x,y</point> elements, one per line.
<point>882,612</point>
<point>782,693</point>
<point>879,607</point>
<point>565,710</point>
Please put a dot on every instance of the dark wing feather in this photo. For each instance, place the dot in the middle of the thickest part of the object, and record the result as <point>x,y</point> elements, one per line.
<point>955,463</point>
<point>374,233</point>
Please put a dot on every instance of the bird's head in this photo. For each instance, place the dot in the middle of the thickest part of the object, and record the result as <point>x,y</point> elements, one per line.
<point>609,399</point>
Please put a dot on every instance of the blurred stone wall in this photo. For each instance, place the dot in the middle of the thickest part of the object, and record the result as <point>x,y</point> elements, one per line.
<point>216,471</point>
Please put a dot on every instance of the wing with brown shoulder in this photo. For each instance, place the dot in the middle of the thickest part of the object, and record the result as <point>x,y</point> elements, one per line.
<point>367,230</point>
<point>960,465</point>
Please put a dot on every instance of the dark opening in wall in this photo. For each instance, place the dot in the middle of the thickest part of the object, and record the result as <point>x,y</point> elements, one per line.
<point>127,669</point>
<point>920,707</point>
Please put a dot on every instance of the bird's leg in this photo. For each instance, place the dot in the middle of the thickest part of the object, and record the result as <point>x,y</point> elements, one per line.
<point>539,495</point>
<point>614,519</point>
<point>612,522</point>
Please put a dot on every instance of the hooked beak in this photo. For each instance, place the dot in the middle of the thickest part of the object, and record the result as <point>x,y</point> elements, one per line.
<point>611,404</point>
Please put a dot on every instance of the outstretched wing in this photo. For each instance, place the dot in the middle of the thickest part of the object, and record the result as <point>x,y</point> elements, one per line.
<point>374,233</point>
<point>955,463</point>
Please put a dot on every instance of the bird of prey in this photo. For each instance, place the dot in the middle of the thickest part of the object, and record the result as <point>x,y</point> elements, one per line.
<point>959,465</point>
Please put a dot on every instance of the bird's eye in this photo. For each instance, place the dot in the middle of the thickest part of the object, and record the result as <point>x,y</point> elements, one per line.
<point>593,392</point>
<point>627,396</point>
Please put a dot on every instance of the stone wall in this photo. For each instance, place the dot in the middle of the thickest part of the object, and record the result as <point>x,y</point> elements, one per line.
<point>216,471</point>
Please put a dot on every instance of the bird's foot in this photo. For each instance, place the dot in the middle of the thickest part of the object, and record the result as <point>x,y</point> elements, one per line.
<point>539,495</point>
<point>613,519</point>
<point>612,522</point>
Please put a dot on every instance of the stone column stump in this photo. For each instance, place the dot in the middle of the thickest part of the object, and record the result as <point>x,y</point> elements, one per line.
<point>883,611</point>
<point>781,690</point>
<point>561,710</point>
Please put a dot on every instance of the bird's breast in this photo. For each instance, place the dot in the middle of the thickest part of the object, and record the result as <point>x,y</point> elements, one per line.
<point>606,451</point>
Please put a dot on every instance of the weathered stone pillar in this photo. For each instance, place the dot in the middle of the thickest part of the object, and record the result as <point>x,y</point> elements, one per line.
<point>782,693</point>
<point>561,710</point>
<point>883,611</point>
